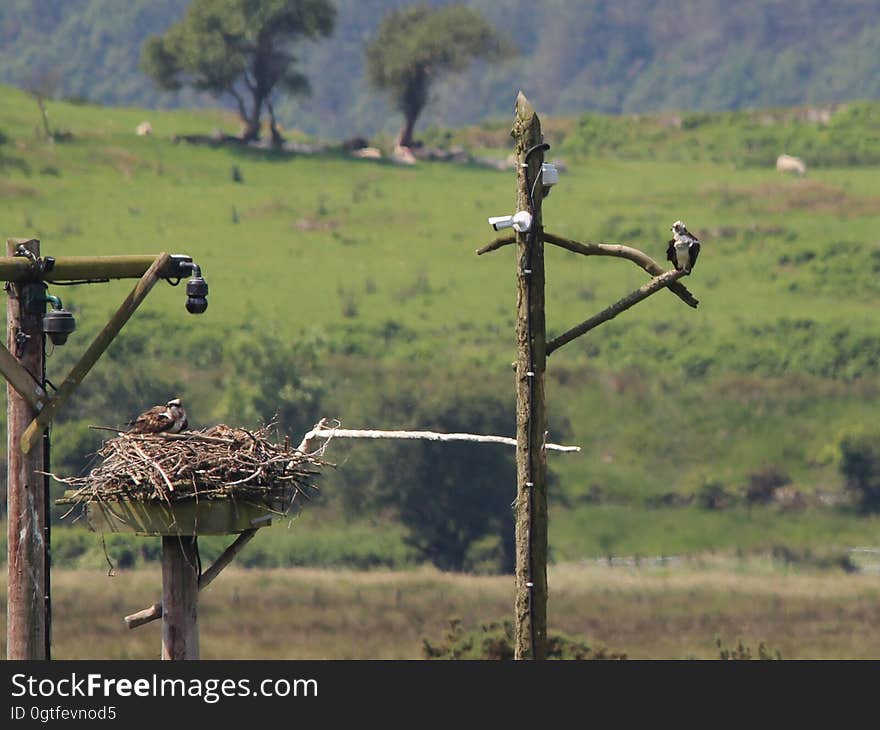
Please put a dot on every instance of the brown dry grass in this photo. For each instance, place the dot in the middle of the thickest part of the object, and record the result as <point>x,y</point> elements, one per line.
<point>671,613</point>
<point>14,190</point>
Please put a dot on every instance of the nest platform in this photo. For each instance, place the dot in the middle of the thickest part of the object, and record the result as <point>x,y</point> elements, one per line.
<point>221,480</point>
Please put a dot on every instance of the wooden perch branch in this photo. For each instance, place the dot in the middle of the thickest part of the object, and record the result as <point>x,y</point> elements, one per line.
<point>640,258</point>
<point>326,432</point>
<point>625,252</point>
<point>155,611</point>
<point>656,284</point>
<point>496,244</point>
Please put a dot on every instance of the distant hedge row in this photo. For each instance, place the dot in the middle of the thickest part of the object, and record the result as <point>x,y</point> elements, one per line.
<point>846,135</point>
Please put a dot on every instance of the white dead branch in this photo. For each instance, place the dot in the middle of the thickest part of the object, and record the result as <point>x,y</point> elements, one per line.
<point>323,430</point>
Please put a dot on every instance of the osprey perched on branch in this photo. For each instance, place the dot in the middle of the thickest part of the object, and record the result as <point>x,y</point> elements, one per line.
<point>683,249</point>
<point>170,418</point>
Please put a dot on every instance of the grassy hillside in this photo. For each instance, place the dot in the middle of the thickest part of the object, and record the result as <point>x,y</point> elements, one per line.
<point>374,264</point>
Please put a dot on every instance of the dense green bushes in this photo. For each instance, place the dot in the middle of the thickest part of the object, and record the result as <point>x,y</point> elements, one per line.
<point>860,466</point>
<point>297,543</point>
<point>848,136</point>
<point>494,641</point>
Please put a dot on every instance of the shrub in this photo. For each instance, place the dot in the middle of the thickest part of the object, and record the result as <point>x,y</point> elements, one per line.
<point>743,652</point>
<point>764,483</point>
<point>712,495</point>
<point>495,641</point>
<point>860,467</point>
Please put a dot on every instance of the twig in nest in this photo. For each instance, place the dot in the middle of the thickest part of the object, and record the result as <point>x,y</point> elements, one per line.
<point>154,464</point>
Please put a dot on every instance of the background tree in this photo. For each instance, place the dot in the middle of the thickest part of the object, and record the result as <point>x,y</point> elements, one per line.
<point>242,48</point>
<point>860,466</point>
<point>414,46</point>
<point>43,85</point>
<point>274,379</point>
<point>452,498</point>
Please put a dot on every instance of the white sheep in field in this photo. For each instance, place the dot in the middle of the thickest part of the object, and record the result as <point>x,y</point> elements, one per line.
<point>787,163</point>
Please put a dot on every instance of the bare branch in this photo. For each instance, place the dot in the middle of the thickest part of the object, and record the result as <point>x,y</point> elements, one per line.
<point>155,465</point>
<point>625,252</point>
<point>496,244</point>
<point>616,250</point>
<point>322,432</point>
<point>656,284</point>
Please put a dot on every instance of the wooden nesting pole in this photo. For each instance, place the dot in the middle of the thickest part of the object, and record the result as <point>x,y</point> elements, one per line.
<point>30,412</point>
<point>180,597</point>
<point>530,637</point>
<point>531,463</point>
<point>27,609</point>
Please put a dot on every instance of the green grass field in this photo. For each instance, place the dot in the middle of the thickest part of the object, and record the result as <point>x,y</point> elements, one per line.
<point>376,262</point>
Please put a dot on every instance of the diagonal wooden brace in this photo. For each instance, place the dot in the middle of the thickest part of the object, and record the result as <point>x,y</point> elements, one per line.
<point>101,342</point>
<point>20,379</point>
<point>226,557</point>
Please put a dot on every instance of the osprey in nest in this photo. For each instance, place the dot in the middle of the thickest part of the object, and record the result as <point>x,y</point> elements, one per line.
<point>170,418</point>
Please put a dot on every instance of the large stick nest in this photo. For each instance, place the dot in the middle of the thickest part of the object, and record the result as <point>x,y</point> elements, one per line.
<point>215,463</point>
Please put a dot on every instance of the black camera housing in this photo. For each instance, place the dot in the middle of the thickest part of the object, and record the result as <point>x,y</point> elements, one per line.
<point>196,293</point>
<point>58,324</point>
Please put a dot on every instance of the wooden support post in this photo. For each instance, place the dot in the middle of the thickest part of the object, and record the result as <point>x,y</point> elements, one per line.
<point>180,598</point>
<point>27,612</point>
<point>226,557</point>
<point>531,465</point>
<point>530,619</point>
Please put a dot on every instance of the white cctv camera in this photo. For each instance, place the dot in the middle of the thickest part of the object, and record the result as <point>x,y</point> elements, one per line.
<point>549,174</point>
<point>521,222</point>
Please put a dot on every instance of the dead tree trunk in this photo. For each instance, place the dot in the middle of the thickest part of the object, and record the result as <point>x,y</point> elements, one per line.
<point>531,463</point>
<point>27,612</point>
<point>530,640</point>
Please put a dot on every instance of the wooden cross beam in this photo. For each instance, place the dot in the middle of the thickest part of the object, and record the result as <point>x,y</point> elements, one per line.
<point>643,292</point>
<point>80,268</point>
